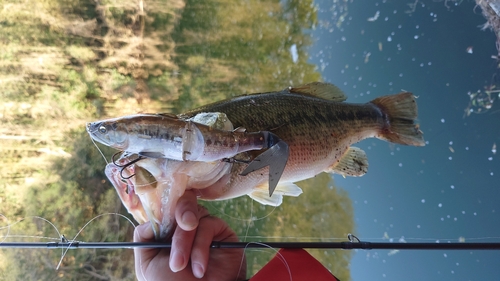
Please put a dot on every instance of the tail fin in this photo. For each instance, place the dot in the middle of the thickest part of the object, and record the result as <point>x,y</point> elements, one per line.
<point>401,111</point>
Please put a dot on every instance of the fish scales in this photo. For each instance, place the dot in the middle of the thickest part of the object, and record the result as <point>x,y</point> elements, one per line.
<point>315,129</point>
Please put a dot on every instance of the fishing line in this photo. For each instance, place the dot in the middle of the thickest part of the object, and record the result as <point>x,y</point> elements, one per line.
<point>72,241</point>
<point>221,211</point>
<point>64,244</point>
<point>249,221</point>
<point>28,236</point>
<point>98,149</point>
<point>31,236</point>
<point>241,266</point>
<point>264,245</point>
<point>8,228</point>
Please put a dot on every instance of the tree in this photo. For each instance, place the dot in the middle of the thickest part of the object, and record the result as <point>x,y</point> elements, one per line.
<point>68,62</point>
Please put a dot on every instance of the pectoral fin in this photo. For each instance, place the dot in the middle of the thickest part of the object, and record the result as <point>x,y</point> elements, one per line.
<point>260,193</point>
<point>353,163</point>
<point>276,158</point>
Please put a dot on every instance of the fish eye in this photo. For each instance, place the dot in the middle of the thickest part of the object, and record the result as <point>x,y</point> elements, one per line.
<point>103,130</point>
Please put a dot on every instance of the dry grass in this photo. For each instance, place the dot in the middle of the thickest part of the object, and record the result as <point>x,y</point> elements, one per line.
<point>59,70</point>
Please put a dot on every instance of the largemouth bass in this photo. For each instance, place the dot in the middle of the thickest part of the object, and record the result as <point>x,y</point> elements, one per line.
<point>151,187</point>
<point>315,122</point>
<point>166,136</point>
<point>319,128</point>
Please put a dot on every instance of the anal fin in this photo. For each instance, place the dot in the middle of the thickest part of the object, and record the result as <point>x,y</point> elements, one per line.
<point>261,194</point>
<point>353,163</point>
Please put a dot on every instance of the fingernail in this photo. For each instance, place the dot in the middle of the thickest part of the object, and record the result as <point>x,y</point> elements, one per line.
<point>198,271</point>
<point>189,219</point>
<point>176,262</point>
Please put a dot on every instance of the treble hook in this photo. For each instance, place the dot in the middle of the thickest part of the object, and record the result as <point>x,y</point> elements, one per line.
<point>126,165</point>
<point>114,160</point>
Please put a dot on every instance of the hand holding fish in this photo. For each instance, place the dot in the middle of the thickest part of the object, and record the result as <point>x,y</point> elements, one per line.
<point>190,246</point>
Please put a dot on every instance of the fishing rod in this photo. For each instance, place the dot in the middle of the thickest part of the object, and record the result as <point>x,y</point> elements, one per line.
<point>348,245</point>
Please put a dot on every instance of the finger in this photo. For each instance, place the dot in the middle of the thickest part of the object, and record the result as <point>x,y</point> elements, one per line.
<point>143,256</point>
<point>144,233</point>
<point>182,243</point>
<point>186,212</point>
<point>213,229</point>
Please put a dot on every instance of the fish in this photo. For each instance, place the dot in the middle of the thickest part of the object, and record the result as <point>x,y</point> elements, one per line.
<point>167,136</point>
<point>151,187</point>
<point>315,122</point>
<point>319,128</point>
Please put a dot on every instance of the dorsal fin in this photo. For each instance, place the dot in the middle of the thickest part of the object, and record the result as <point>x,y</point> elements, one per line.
<point>166,114</point>
<point>322,90</point>
<point>216,120</point>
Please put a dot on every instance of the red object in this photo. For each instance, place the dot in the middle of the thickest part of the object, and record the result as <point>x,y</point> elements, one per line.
<point>301,267</point>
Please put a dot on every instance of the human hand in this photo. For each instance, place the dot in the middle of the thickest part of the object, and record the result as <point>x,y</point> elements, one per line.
<point>190,257</point>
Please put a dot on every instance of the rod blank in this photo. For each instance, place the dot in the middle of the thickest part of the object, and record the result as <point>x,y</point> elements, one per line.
<point>288,245</point>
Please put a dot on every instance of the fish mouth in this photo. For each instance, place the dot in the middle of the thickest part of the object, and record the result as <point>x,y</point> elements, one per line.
<point>109,133</point>
<point>151,187</point>
<point>141,195</point>
<point>126,192</point>
<point>92,130</point>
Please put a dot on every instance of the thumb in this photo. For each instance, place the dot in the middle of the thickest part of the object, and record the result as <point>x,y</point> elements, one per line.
<point>143,256</point>
<point>144,233</point>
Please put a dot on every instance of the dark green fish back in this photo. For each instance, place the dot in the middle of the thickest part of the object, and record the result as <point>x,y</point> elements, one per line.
<point>288,114</point>
<point>313,127</point>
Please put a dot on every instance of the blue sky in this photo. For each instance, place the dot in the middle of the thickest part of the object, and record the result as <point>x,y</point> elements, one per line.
<point>448,189</point>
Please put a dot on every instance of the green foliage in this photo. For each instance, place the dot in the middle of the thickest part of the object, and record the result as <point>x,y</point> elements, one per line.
<point>68,62</point>
<point>330,216</point>
<point>246,52</point>
<point>80,195</point>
